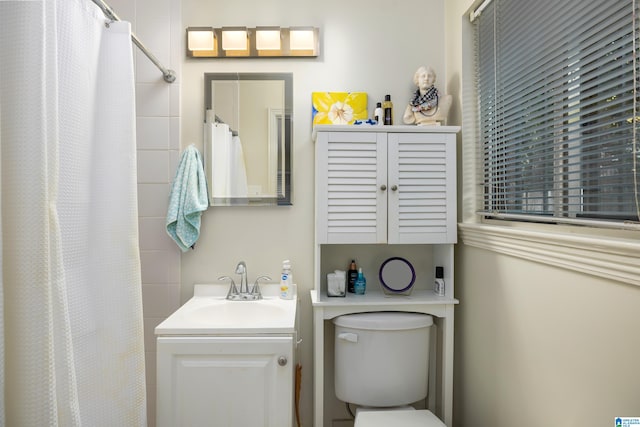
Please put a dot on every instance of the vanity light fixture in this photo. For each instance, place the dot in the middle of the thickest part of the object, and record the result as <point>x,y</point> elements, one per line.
<point>259,42</point>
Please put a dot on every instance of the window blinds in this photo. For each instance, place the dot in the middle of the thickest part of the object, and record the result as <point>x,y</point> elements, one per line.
<point>558,98</point>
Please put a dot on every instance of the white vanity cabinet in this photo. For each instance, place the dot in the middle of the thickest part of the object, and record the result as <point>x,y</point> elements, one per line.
<point>388,184</point>
<point>225,381</point>
<point>227,363</point>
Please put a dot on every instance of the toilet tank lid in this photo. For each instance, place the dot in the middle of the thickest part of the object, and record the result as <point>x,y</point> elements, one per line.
<point>384,321</point>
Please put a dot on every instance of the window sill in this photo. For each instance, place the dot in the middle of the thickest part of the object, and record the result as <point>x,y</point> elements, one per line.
<point>604,256</point>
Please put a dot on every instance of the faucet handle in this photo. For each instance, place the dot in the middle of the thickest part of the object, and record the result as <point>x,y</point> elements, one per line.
<point>233,290</point>
<point>256,288</point>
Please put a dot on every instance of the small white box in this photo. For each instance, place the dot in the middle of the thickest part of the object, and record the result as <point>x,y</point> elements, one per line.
<point>336,283</point>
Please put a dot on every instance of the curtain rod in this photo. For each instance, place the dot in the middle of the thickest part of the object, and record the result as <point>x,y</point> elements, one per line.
<point>219,120</point>
<point>168,75</point>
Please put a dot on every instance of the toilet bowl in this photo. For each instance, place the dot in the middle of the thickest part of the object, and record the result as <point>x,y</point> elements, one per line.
<point>381,364</point>
<point>397,418</point>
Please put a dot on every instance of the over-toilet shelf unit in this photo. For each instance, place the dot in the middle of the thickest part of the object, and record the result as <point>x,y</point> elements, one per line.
<point>381,191</point>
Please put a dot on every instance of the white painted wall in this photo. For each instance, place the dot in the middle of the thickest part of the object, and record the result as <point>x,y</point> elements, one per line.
<point>367,46</point>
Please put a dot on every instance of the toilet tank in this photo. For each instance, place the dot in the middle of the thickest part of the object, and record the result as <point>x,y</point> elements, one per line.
<point>382,358</point>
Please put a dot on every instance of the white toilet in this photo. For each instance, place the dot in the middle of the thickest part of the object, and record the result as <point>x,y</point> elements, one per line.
<point>382,364</point>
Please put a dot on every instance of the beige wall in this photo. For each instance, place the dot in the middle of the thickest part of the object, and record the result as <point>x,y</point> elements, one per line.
<point>536,345</point>
<point>365,46</point>
<point>542,345</point>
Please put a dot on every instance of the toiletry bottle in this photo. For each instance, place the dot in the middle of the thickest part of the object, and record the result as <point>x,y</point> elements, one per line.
<point>378,115</point>
<point>439,287</point>
<point>361,283</point>
<point>352,275</point>
<point>285,280</point>
<point>388,110</point>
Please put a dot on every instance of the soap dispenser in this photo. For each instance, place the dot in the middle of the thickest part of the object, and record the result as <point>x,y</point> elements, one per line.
<point>286,280</point>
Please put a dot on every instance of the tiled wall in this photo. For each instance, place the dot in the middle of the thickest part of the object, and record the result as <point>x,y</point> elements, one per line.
<point>157,25</point>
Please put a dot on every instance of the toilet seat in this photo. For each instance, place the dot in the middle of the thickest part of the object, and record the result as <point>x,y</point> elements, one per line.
<point>420,418</point>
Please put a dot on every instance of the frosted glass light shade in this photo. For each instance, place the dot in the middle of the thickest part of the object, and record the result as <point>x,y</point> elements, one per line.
<point>268,38</point>
<point>199,40</point>
<point>302,39</point>
<point>234,39</point>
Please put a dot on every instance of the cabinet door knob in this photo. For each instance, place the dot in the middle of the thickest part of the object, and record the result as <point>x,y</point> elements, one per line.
<point>383,187</point>
<point>394,188</point>
<point>282,360</point>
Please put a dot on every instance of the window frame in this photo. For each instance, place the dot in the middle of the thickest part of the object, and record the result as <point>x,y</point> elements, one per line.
<point>558,201</point>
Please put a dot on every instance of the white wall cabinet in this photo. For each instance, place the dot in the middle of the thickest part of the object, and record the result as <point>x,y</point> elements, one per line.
<point>225,381</point>
<point>389,185</point>
<point>383,191</point>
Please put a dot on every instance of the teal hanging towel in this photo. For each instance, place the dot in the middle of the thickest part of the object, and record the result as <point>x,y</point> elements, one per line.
<point>188,199</point>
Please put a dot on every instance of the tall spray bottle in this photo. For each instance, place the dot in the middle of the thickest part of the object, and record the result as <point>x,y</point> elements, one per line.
<point>352,275</point>
<point>387,106</point>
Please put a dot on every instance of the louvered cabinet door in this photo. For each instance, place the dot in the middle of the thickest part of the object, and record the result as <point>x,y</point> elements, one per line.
<point>351,179</point>
<point>422,188</point>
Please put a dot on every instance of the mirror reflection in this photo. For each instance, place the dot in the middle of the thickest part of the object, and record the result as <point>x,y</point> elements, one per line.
<point>248,138</point>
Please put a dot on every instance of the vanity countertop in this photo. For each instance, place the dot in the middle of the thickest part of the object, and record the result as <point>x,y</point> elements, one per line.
<point>209,313</point>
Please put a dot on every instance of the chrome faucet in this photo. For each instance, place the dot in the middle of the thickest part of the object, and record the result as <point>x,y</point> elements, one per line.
<point>241,269</point>
<point>243,294</point>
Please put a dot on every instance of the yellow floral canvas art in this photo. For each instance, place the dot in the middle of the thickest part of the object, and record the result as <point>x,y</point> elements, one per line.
<point>338,108</point>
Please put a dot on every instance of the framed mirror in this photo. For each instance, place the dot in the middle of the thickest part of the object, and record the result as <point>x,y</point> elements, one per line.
<point>248,133</point>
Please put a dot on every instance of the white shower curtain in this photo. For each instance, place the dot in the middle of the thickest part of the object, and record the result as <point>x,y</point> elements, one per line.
<point>71,334</point>
<point>227,174</point>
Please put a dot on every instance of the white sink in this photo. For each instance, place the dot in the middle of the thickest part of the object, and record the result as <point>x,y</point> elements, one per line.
<point>208,312</point>
<point>236,313</point>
